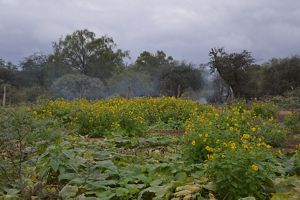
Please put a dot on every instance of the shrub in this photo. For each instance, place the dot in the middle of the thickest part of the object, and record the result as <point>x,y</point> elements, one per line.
<point>292,122</point>
<point>240,173</point>
<point>21,137</point>
<point>266,110</point>
<point>288,102</point>
<point>119,116</point>
<point>273,133</point>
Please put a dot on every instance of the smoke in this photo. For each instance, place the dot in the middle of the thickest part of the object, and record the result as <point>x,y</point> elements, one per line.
<point>131,83</point>
<point>76,86</point>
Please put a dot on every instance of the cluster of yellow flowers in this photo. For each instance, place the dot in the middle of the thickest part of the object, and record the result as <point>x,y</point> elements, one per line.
<point>118,114</point>
<point>216,129</point>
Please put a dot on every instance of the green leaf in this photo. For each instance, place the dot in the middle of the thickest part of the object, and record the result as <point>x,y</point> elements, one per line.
<point>159,192</point>
<point>121,192</point>
<point>210,186</point>
<point>78,180</point>
<point>105,195</point>
<point>54,164</point>
<point>10,197</point>
<point>102,184</point>
<point>12,191</point>
<point>106,164</point>
<point>156,182</point>
<point>66,176</point>
<point>68,191</point>
<point>181,176</point>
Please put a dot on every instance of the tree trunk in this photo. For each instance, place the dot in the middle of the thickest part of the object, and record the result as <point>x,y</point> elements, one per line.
<point>230,97</point>
<point>4,96</point>
<point>178,91</point>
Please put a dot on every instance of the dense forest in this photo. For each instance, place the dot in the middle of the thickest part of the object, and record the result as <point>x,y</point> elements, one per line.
<point>83,65</point>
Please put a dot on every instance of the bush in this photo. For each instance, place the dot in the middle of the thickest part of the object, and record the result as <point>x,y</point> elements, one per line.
<point>21,137</point>
<point>292,122</point>
<point>273,133</point>
<point>118,115</point>
<point>287,102</point>
<point>265,110</point>
<point>240,173</point>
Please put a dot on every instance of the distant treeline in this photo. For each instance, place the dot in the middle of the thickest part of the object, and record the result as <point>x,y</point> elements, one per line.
<point>82,65</point>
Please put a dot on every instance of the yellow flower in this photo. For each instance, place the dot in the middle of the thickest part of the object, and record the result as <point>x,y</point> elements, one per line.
<point>211,156</point>
<point>246,136</point>
<point>208,148</point>
<point>193,142</point>
<point>253,129</point>
<point>254,167</point>
<point>232,145</point>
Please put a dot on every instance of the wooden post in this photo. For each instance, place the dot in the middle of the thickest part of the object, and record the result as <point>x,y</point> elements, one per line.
<point>4,95</point>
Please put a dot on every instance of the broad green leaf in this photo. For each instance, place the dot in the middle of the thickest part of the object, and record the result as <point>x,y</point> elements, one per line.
<point>12,191</point>
<point>121,192</point>
<point>181,176</point>
<point>54,163</point>
<point>156,182</point>
<point>106,195</point>
<point>67,176</point>
<point>68,191</point>
<point>156,192</point>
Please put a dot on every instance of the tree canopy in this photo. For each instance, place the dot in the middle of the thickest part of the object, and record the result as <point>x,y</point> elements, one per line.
<point>89,55</point>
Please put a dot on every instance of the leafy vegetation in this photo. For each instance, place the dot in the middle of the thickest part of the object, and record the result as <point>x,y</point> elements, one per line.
<point>114,149</point>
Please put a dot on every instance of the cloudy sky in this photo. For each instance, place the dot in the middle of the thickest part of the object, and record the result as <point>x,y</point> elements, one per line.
<point>184,29</point>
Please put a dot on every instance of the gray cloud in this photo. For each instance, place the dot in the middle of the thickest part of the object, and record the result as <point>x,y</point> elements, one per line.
<point>184,29</point>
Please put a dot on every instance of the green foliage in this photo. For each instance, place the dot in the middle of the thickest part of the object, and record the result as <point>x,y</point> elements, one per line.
<point>238,173</point>
<point>89,55</point>
<point>286,188</point>
<point>178,78</point>
<point>292,122</point>
<point>21,137</point>
<point>287,102</point>
<point>222,154</point>
<point>274,134</point>
<point>265,110</point>
<point>281,75</point>
<point>231,67</point>
<point>93,168</point>
<point>119,116</point>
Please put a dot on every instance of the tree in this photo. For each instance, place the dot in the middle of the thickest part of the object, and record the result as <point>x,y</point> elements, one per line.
<point>8,72</point>
<point>8,78</point>
<point>178,78</point>
<point>154,64</point>
<point>89,55</point>
<point>231,68</point>
<point>32,73</point>
<point>281,75</point>
<point>77,86</point>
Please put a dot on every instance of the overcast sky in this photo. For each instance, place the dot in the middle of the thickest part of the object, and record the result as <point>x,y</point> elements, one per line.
<point>184,29</point>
